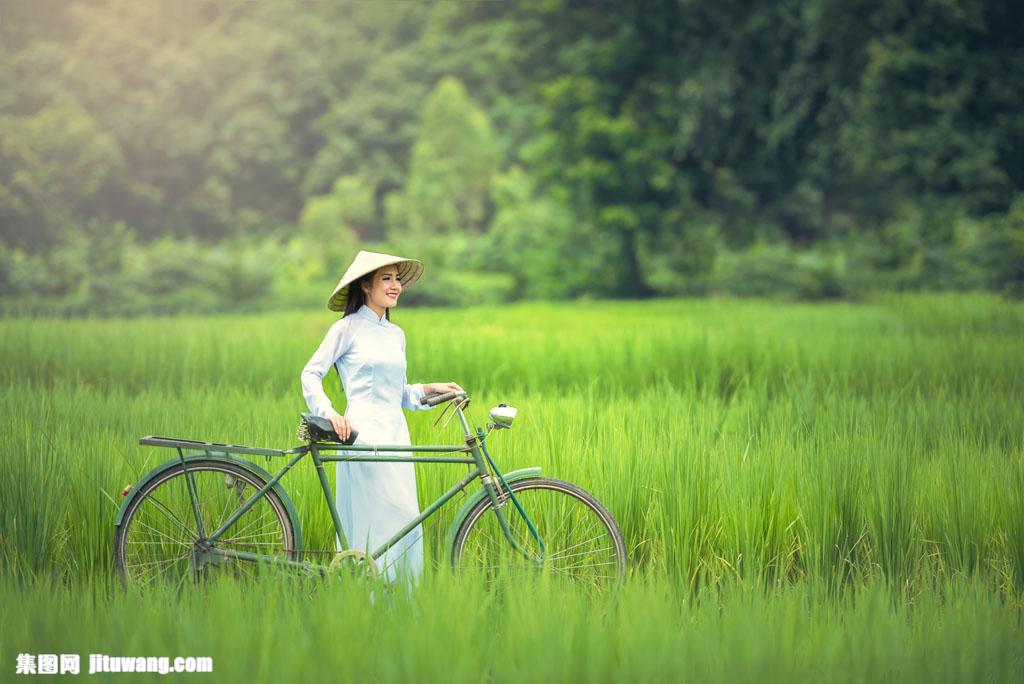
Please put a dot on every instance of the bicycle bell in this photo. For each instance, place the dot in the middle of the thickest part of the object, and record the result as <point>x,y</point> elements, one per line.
<point>503,415</point>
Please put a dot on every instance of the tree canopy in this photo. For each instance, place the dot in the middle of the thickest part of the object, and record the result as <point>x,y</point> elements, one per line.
<point>551,148</point>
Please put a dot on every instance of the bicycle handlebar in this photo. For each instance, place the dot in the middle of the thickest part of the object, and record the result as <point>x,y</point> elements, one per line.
<point>437,398</point>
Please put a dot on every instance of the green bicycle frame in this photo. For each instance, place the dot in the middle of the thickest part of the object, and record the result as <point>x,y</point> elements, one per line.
<point>326,452</point>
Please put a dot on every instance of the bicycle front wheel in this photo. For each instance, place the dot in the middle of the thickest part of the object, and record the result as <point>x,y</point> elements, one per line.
<point>582,542</point>
<point>159,538</point>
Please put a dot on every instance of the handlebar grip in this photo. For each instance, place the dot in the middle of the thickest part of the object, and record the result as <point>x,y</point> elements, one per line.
<point>437,398</point>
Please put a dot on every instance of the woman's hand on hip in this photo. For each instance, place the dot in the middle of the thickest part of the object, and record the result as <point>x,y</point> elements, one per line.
<point>341,426</point>
<point>441,387</point>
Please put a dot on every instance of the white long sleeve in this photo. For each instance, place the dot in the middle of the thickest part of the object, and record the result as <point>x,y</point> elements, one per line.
<point>412,394</point>
<point>335,343</point>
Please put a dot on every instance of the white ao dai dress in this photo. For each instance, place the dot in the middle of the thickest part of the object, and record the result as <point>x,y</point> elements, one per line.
<point>375,500</point>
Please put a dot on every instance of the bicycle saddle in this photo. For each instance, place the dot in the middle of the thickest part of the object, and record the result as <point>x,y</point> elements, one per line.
<point>317,429</point>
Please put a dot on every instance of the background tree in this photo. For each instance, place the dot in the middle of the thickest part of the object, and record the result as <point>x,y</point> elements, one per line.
<point>813,147</point>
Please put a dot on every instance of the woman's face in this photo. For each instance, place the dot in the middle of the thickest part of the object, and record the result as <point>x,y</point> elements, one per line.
<point>384,288</point>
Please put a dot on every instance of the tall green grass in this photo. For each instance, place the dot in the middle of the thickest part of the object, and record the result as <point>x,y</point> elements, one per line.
<point>285,629</point>
<point>777,469</point>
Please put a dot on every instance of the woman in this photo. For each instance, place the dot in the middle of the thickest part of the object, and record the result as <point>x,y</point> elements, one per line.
<point>375,500</point>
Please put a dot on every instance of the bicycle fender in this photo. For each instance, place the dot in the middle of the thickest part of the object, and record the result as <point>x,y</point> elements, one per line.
<point>230,458</point>
<point>521,474</point>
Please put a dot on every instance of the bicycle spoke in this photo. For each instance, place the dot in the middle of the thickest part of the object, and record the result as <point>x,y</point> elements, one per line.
<point>170,515</point>
<point>577,532</point>
<point>161,561</point>
<point>155,532</point>
<point>579,544</point>
<point>227,502</point>
<point>204,509</point>
<point>562,554</point>
<point>232,542</point>
<point>254,535</point>
<point>252,520</point>
<point>565,568</point>
<point>171,539</point>
<point>156,568</point>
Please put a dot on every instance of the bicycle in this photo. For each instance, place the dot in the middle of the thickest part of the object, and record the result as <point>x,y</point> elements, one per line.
<point>210,509</point>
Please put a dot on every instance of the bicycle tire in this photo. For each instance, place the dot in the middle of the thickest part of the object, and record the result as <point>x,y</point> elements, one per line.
<point>270,511</point>
<point>479,543</point>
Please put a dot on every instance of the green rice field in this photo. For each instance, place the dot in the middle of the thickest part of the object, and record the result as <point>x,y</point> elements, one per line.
<point>808,491</point>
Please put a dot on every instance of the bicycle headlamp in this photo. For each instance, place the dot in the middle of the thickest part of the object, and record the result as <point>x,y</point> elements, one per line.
<point>503,415</point>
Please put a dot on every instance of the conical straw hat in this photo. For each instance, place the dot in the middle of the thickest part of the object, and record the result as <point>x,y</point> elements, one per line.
<point>409,271</point>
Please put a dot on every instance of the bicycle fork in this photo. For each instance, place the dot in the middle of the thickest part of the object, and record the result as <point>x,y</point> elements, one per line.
<point>499,498</point>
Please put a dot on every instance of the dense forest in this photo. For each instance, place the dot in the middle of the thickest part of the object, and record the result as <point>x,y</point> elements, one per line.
<point>168,156</point>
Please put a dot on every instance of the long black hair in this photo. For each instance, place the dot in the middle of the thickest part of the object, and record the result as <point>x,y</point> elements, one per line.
<point>356,297</point>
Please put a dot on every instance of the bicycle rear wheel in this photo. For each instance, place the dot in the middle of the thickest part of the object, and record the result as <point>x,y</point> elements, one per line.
<point>159,536</point>
<point>582,541</point>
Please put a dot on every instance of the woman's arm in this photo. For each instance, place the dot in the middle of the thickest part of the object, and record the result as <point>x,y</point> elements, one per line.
<point>411,394</point>
<point>335,343</point>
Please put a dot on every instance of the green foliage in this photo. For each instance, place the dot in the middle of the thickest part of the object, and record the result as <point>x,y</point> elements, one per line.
<point>1003,251</point>
<point>450,168</point>
<point>54,165</point>
<point>678,258</point>
<point>777,270</point>
<point>534,239</point>
<point>917,123</point>
<point>329,223</point>
<point>663,149</point>
<point>784,443</point>
<point>184,275</point>
<point>459,288</point>
<point>808,492</point>
<point>939,250</point>
<point>529,630</point>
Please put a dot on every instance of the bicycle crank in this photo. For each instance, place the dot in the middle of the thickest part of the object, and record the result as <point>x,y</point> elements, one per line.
<point>358,559</point>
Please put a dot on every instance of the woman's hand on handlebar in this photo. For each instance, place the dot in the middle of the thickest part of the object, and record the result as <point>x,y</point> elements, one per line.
<point>441,387</point>
<point>341,426</point>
